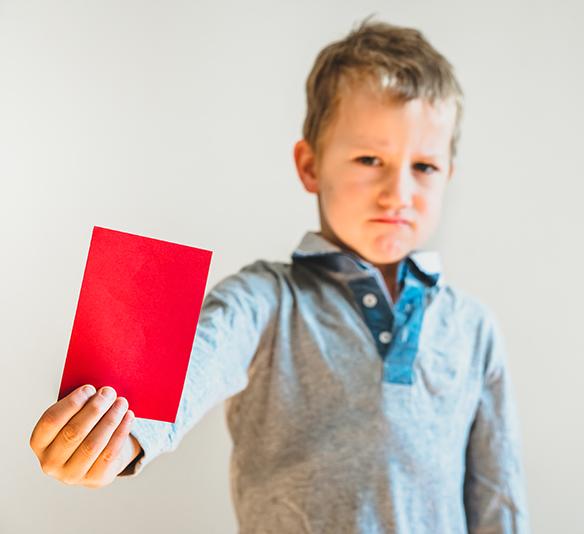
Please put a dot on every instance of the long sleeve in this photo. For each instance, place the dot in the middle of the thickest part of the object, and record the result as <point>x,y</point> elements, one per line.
<point>494,488</point>
<point>235,316</point>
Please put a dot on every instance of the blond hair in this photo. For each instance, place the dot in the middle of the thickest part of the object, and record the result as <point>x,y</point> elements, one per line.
<point>395,61</point>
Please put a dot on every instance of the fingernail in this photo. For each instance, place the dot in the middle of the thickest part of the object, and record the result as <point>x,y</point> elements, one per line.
<point>107,392</point>
<point>88,390</point>
<point>121,401</point>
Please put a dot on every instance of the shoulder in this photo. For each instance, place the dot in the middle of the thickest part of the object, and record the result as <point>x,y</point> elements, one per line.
<point>466,314</point>
<point>480,319</point>
<point>458,301</point>
<point>484,314</point>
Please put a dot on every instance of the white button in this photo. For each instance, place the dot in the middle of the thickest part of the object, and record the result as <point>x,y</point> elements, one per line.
<point>404,334</point>
<point>369,300</point>
<point>385,336</point>
<point>408,307</point>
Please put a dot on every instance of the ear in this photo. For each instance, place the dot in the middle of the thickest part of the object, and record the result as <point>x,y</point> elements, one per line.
<point>305,161</point>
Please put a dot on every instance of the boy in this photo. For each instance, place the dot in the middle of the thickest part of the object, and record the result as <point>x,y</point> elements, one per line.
<point>364,394</point>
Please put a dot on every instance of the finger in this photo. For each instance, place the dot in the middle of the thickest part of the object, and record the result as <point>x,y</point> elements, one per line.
<point>57,415</point>
<point>95,442</point>
<point>106,465</point>
<point>78,427</point>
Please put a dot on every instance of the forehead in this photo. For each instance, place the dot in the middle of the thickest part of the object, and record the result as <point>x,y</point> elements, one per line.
<point>364,119</point>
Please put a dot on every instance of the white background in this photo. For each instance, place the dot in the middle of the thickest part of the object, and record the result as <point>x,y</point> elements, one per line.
<point>176,120</point>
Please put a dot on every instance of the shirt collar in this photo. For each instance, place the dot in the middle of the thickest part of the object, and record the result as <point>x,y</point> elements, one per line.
<point>426,264</point>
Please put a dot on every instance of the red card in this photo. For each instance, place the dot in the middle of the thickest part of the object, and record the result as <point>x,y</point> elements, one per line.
<point>136,319</point>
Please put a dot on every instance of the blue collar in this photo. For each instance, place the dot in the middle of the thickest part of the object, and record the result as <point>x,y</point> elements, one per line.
<point>424,264</point>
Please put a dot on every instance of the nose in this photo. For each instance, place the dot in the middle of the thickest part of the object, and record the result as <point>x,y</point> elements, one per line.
<point>397,188</point>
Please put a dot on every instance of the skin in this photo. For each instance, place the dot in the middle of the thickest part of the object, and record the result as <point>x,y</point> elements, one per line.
<point>84,439</point>
<point>380,159</point>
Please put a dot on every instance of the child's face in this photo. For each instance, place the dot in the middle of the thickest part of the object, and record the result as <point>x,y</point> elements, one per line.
<point>380,160</point>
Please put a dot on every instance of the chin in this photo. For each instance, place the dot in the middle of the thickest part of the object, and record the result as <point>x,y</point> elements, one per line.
<point>379,257</point>
<point>387,259</point>
<point>388,250</point>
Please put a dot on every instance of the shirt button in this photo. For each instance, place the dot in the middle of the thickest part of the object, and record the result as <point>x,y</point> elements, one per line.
<point>385,336</point>
<point>369,300</point>
<point>408,307</point>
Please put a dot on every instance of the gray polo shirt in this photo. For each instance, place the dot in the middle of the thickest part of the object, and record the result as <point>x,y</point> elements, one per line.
<point>350,413</point>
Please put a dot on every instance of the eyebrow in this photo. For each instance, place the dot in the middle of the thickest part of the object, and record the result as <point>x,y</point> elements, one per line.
<point>379,146</point>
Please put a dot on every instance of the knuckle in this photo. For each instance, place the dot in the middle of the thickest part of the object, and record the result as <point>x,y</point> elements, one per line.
<point>72,405</point>
<point>46,424</point>
<point>96,408</point>
<point>88,448</point>
<point>75,403</point>
<point>121,405</point>
<point>108,456</point>
<point>48,468</point>
<point>48,420</point>
<point>71,433</point>
<point>111,420</point>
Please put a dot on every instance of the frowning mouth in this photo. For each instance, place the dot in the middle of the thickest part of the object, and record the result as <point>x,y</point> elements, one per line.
<point>391,221</point>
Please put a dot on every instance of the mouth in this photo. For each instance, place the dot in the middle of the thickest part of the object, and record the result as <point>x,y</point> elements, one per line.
<point>391,221</point>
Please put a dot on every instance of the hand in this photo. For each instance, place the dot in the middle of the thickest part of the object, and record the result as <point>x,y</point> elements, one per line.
<point>84,439</point>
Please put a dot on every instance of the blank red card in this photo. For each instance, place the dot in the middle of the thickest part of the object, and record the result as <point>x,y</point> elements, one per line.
<point>136,319</point>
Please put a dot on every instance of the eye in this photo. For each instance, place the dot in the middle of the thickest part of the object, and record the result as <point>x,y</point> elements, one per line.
<point>367,160</point>
<point>426,167</point>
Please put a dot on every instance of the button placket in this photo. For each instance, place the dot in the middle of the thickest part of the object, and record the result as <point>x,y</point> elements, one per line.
<point>376,311</point>
<point>401,357</point>
<point>395,329</point>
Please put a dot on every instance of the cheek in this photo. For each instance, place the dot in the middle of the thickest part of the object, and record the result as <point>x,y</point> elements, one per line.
<point>428,202</point>
<point>421,205</point>
<point>428,208</point>
<point>345,197</point>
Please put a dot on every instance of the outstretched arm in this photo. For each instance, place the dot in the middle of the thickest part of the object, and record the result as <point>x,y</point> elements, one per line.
<point>235,315</point>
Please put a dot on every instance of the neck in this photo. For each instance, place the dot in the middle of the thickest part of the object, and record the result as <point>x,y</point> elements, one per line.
<point>389,272</point>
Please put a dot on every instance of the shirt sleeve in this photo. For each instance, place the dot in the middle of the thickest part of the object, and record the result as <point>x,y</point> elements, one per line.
<point>494,488</point>
<point>235,317</point>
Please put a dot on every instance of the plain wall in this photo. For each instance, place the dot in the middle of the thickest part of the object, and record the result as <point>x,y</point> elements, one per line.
<point>176,120</point>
